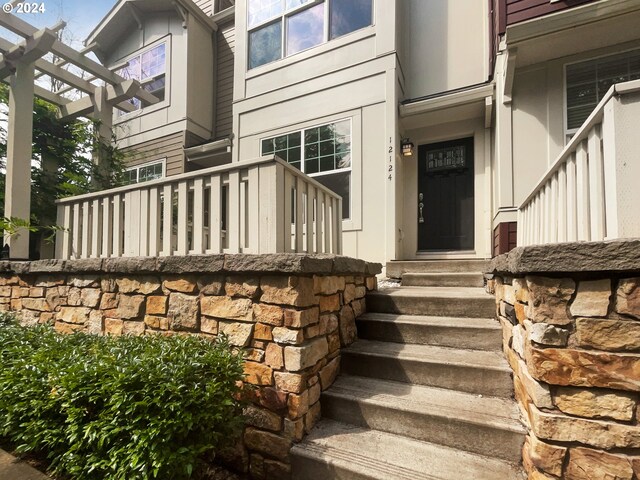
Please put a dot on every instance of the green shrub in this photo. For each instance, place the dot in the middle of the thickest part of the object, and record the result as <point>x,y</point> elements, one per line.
<point>117,408</point>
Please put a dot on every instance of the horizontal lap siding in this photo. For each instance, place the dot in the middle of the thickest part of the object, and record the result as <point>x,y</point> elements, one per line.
<point>206,6</point>
<point>521,10</point>
<point>170,147</point>
<point>224,80</point>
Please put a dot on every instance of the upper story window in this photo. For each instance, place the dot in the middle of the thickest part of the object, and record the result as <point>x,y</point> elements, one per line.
<point>322,152</point>
<point>149,67</point>
<point>278,28</point>
<point>588,82</point>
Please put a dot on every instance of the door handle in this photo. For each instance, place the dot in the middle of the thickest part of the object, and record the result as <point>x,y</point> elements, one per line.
<point>420,208</point>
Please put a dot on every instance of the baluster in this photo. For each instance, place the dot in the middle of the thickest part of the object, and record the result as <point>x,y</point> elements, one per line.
<point>143,248</point>
<point>596,184</point>
<point>288,189</point>
<point>96,228</point>
<point>338,226</point>
<point>76,232</point>
<point>253,209</point>
<point>299,239</point>
<point>562,203</point>
<point>86,229</point>
<point>320,197</point>
<point>327,223</point>
<point>167,221</point>
<point>233,222</point>
<point>311,198</point>
<point>118,230</point>
<point>183,205</point>
<point>198,216</point>
<point>215,234</point>
<point>582,192</point>
<point>107,227</point>
<point>572,221</point>
<point>154,222</point>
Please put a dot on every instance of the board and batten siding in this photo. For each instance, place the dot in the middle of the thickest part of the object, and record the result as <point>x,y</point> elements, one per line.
<point>224,81</point>
<point>170,148</point>
<point>521,10</point>
<point>205,5</point>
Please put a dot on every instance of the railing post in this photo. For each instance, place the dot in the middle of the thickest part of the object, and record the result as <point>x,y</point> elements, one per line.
<point>621,166</point>
<point>272,213</point>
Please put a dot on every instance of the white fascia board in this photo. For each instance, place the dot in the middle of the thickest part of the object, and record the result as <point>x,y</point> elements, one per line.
<point>454,99</point>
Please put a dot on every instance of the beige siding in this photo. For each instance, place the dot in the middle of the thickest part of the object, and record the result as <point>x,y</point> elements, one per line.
<point>170,147</point>
<point>205,5</point>
<point>224,82</point>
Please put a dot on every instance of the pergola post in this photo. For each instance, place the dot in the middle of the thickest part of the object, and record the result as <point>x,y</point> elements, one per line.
<point>19,154</point>
<point>103,114</point>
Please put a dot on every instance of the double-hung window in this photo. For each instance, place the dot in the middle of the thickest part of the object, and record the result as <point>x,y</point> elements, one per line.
<point>149,67</point>
<point>144,173</point>
<point>279,28</point>
<point>589,81</point>
<point>322,152</point>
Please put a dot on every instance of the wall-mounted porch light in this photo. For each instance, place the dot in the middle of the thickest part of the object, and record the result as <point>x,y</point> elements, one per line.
<point>407,147</point>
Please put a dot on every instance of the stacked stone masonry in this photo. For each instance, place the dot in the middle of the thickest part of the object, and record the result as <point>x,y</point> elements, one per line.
<point>573,341</point>
<point>290,313</point>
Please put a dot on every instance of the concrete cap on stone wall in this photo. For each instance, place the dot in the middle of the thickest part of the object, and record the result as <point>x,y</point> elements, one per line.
<point>279,263</point>
<point>611,256</point>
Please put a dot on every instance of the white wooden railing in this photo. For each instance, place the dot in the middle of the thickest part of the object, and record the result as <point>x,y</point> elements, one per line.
<point>592,191</point>
<point>256,206</point>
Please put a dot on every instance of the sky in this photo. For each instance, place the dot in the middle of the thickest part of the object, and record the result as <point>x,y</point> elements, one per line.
<point>81,16</point>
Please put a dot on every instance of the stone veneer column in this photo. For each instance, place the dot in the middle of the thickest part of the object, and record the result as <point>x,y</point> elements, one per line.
<point>571,321</point>
<point>291,314</point>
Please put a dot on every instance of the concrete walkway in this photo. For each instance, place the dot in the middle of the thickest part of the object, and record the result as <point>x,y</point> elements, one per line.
<point>13,469</point>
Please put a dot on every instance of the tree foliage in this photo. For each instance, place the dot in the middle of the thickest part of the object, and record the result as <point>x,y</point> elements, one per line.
<point>62,164</point>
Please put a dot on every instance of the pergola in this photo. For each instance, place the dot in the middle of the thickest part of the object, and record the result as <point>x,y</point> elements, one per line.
<point>21,65</point>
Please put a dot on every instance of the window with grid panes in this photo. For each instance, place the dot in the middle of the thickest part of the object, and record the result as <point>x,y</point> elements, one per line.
<point>322,152</point>
<point>144,173</point>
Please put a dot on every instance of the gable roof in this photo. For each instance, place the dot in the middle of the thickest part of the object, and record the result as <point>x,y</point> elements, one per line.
<point>126,14</point>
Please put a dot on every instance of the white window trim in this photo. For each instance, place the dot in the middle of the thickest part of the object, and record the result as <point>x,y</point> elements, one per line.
<point>282,17</point>
<point>569,132</point>
<point>163,161</point>
<point>125,116</point>
<point>355,221</point>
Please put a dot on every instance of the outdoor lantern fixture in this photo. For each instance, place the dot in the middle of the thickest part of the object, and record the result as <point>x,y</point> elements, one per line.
<point>407,147</point>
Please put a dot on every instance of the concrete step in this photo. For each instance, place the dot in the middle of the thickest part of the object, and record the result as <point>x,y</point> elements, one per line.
<point>434,301</point>
<point>486,426</point>
<point>396,269</point>
<point>470,333</point>
<point>337,450</point>
<point>442,280</point>
<point>472,371</point>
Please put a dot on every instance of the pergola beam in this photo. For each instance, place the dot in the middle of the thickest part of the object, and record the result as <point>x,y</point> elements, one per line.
<point>53,70</point>
<point>22,28</point>
<point>85,105</point>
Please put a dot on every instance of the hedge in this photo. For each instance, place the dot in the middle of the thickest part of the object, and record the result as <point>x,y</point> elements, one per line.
<point>117,407</point>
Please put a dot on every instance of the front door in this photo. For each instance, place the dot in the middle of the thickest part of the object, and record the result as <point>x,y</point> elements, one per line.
<point>445,196</point>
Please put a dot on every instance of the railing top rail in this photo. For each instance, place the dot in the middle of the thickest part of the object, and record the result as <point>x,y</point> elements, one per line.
<point>229,167</point>
<point>583,132</point>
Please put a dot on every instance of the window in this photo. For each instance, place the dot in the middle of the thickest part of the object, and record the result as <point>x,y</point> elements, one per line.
<point>144,173</point>
<point>278,28</point>
<point>149,68</point>
<point>588,82</point>
<point>323,153</point>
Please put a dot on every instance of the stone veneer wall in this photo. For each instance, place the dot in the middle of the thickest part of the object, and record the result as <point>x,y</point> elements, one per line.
<point>571,321</point>
<point>291,313</point>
